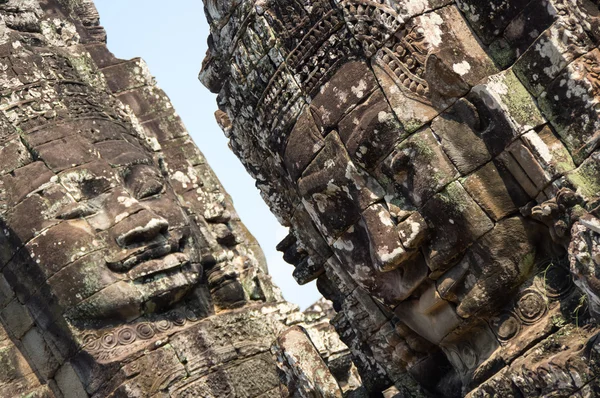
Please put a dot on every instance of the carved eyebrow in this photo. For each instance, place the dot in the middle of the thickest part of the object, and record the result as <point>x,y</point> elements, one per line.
<point>121,153</point>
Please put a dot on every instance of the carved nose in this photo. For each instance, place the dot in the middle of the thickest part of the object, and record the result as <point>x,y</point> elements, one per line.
<point>141,227</point>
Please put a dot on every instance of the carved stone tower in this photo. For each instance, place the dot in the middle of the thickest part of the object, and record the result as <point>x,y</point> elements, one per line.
<point>437,164</point>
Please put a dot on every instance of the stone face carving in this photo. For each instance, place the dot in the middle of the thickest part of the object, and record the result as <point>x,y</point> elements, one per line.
<point>124,268</point>
<point>437,164</point>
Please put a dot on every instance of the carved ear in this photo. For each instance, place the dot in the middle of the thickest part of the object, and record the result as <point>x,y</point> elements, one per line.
<point>443,80</point>
<point>467,113</point>
<point>317,118</point>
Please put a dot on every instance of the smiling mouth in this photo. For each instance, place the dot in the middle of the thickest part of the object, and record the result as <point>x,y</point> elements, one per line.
<point>161,257</point>
<point>166,264</point>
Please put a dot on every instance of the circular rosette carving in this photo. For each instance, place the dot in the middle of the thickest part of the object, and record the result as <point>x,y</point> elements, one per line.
<point>456,360</point>
<point>144,331</point>
<point>126,336</point>
<point>191,315</point>
<point>531,306</point>
<point>91,342</point>
<point>177,317</point>
<point>469,356</point>
<point>109,341</point>
<point>163,325</point>
<point>506,326</point>
<point>557,281</point>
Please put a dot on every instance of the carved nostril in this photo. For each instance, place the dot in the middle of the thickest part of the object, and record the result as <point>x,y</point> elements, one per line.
<point>143,233</point>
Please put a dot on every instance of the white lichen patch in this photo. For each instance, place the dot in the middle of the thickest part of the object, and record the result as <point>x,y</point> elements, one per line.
<point>431,25</point>
<point>384,117</point>
<point>497,85</point>
<point>462,68</point>
<point>121,217</point>
<point>384,217</point>
<point>182,178</point>
<point>539,146</point>
<point>549,49</point>
<point>414,7</point>
<point>127,201</point>
<point>346,245</point>
<point>59,32</point>
<point>386,256</point>
<point>359,89</point>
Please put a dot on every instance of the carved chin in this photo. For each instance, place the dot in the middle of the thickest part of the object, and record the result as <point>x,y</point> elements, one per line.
<point>125,301</point>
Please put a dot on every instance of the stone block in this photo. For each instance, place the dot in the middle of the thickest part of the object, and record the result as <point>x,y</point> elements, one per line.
<point>39,353</point>
<point>385,246</point>
<point>70,240</point>
<point>68,382</point>
<point>429,315</point>
<point>302,365</point>
<point>460,131</point>
<point>570,104</point>
<point>354,252</point>
<point>419,167</point>
<point>254,376</point>
<point>67,153</point>
<point>25,180</point>
<point>30,217</point>
<point>536,17</point>
<point>16,318</point>
<point>370,131</point>
<point>6,292</point>
<point>494,188</point>
<point>14,155</point>
<point>335,191</point>
<point>413,231</point>
<point>14,365</point>
<point>552,51</point>
<point>506,99</point>
<point>457,222</point>
<point>127,75</point>
<point>350,85</point>
<point>490,18</point>
<point>67,285</point>
<point>304,143</point>
<point>586,178</point>
<point>549,152</point>
<point>492,269</point>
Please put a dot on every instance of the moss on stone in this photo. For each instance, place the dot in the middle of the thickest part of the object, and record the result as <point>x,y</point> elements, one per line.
<point>586,178</point>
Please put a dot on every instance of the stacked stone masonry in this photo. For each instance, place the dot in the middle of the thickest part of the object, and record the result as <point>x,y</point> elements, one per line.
<point>438,165</point>
<point>124,268</point>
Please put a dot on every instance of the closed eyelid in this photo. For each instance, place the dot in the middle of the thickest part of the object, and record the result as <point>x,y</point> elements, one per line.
<point>149,189</point>
<point>76,210</point>
<point>144,181</point>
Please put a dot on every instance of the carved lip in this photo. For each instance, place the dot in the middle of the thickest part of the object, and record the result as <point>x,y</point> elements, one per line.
<point>127,259</point>
<point>160,265</point>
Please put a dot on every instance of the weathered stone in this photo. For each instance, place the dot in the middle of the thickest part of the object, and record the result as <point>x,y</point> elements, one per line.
<point>457,221</point>
<point>474,177</point>
<point>419,168</point>
<point>352,83</point>
<point>569,104</point>
<point>124,268</point>
<point>495,190</point>
<point>16,318</point>
<point>321,188</point>
<point>303,370</point>
<point>460,130</point>
<point>370,130</point>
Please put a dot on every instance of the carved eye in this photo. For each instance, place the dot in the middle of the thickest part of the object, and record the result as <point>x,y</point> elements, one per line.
<point>144,181</point>
<point>148,189</point>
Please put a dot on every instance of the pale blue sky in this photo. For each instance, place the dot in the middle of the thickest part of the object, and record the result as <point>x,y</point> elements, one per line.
<point>171,37</point>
